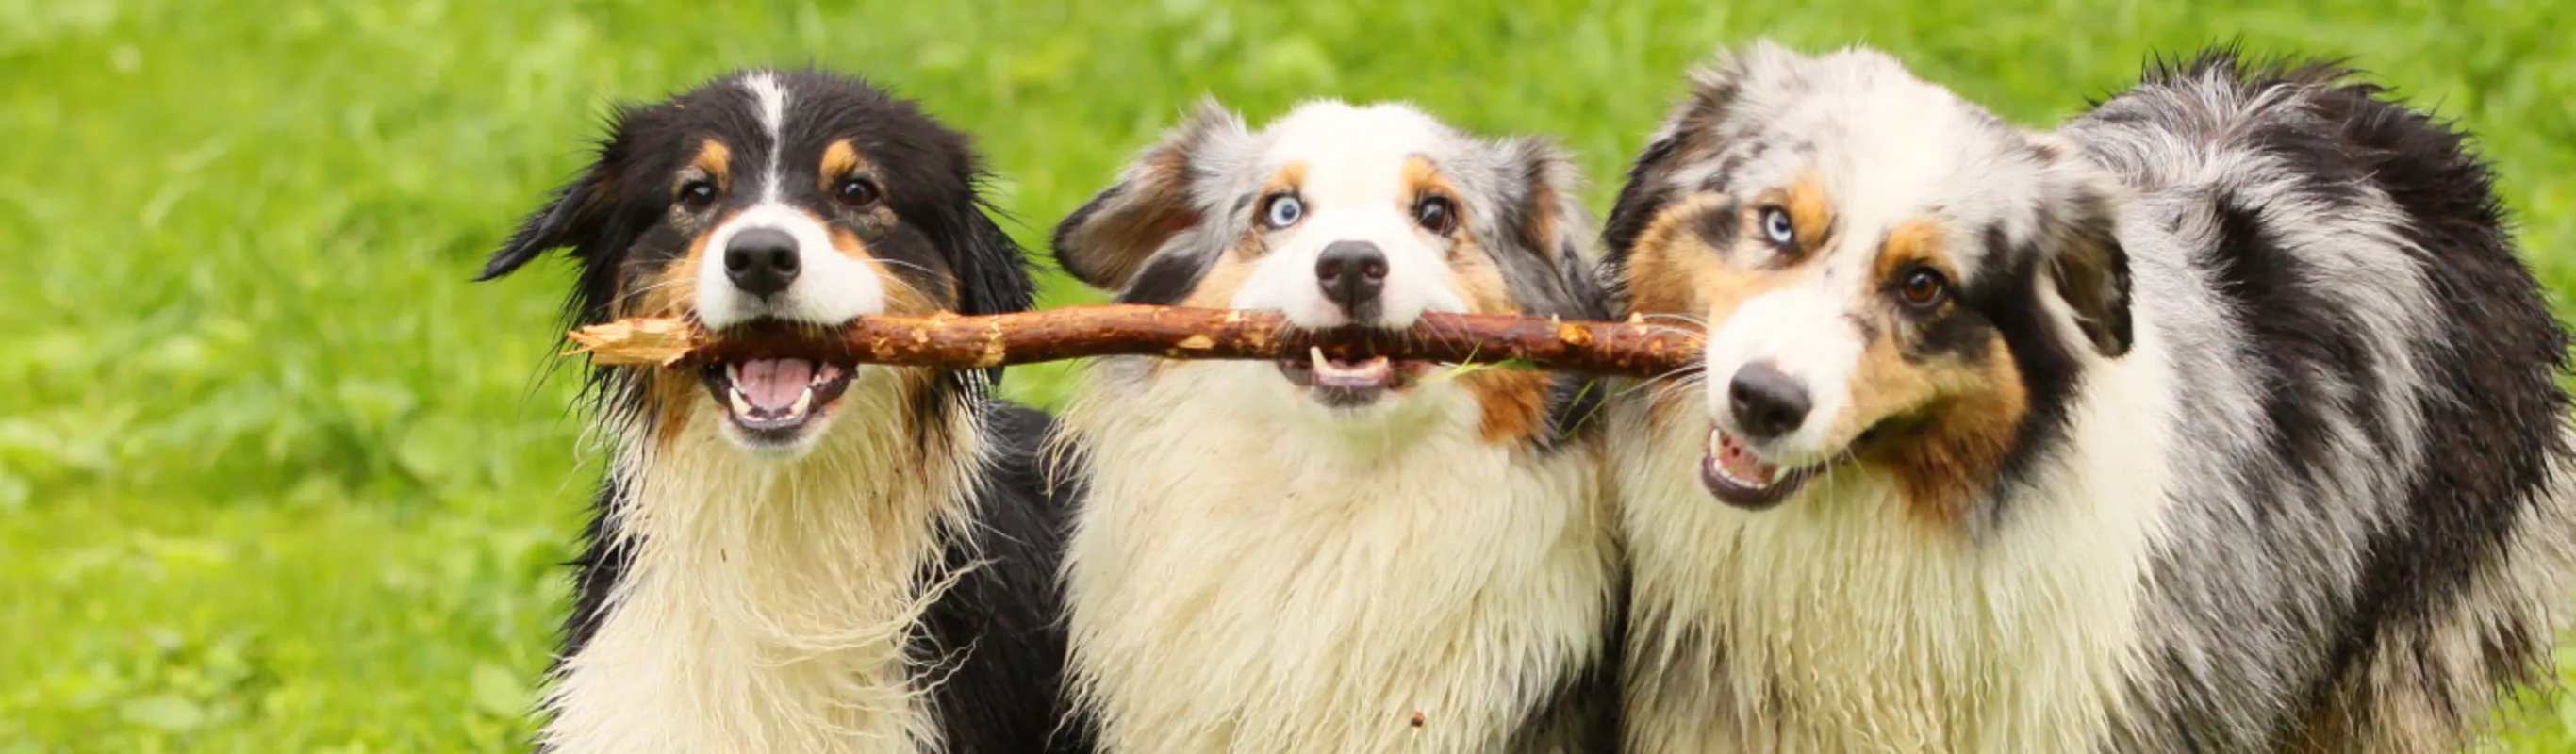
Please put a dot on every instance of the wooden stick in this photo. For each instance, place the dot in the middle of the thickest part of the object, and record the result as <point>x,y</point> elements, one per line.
<point>953,341</point>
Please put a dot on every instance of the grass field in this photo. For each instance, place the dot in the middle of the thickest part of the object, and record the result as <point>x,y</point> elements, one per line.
<point>275,478</point>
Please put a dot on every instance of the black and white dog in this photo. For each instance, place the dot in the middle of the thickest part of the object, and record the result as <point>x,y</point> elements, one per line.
<point>2222,419</point>
<point>788,555</point>
<point>1314,555</point>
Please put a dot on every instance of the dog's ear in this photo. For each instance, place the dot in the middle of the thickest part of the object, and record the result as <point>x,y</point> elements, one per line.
<point>1544,216</point>
<point>575,216</point>
<point>1106,241</point>
<point>1689,139</point>
<point>2079,228</point>
<point>993,270</point>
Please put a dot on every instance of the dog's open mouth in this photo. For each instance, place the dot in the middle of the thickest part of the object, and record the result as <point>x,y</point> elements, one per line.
<point>1742,478</point>
<point>1339,383</point>
<point>775,399</point>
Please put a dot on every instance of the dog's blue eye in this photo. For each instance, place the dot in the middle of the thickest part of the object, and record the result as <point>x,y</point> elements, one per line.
<point>1283,210</point>
<point>1776,225</point>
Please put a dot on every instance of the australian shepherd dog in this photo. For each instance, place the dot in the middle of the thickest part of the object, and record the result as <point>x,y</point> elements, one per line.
<point>789,555</point>
<point>1316,555</point>
<point>2223,418</point>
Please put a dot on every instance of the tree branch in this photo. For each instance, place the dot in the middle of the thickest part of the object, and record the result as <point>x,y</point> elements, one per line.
<point>952,341</point>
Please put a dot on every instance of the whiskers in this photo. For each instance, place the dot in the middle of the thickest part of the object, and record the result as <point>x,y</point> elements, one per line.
<point>1667,384</point>
<point>903,296</point>
<point>640,301</point>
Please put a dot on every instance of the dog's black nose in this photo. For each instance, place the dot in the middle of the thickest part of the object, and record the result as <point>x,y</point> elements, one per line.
<point>1767,403</point>
<point>1352,274</point>
<point>761,261</point>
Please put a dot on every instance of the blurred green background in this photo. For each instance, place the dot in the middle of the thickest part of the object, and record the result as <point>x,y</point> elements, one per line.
<point>274,477</point>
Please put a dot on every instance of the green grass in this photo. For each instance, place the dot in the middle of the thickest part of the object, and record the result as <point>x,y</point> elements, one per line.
<point>274,477</point>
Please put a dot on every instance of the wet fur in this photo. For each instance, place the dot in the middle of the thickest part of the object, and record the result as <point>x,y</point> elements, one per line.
<point>891,589</point>
<point>2286,474</point>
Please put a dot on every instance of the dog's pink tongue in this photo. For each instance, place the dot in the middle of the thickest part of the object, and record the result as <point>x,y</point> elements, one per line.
<point>774,383</point>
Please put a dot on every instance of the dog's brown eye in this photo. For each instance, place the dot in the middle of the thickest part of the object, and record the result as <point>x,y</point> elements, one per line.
<point>697,194</point>
<point>1436,214</point>
<point>1923,287</point>
<point>855,192</point>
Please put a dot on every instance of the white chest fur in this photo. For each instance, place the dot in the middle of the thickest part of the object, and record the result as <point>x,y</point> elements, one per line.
<point>1836,623</point>
<point>769,604</point>
<point>1244,585</point>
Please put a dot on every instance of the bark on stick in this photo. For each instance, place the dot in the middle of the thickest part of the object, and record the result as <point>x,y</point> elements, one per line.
<point>953,341</point>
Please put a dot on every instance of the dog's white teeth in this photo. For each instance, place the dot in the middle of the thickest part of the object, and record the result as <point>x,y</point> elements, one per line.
<point>803,401</point>
<point>1317,353</point>
<point>733,373</point>
<point>740,407</point>
<point>1716,443</point>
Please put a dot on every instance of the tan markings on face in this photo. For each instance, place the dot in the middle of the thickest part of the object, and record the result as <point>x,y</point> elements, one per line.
<point>1224,278</point>
<point>840,160</point>
<point>1673,269</point>
<point>1218,284</point>
<point>669,395</point>
<point>1944,422</point>
<point>1421,179</point>
<point>1811,211</point>
<point>671,290</point>
<point>670,398</point>
<point>712,159</point>
<point>1216,288</point>
<point>1289,178</point>
<point>1913,243</point>
<point>1955,420</point>
<point>1514,401</point>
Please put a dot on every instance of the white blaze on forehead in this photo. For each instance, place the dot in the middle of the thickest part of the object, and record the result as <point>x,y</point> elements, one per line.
<point>1357,150</point>
<point>1803,332</point>
<point>770,97</point>
<point>1352,183</point>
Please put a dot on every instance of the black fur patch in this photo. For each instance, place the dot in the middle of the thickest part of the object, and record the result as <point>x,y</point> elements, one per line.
<point>602,563</point>
<point>2308,339</point>
<point>2487,396</point>
<point>615,217</point>
<point>2009,301</point>
<point>2492,406</point>
<point>1650,186</point>
<point>1079,265</point>
<point>1960,333</point>
<point>994,629</point>
<point>1166,279</point>
<point>1717,226</point>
